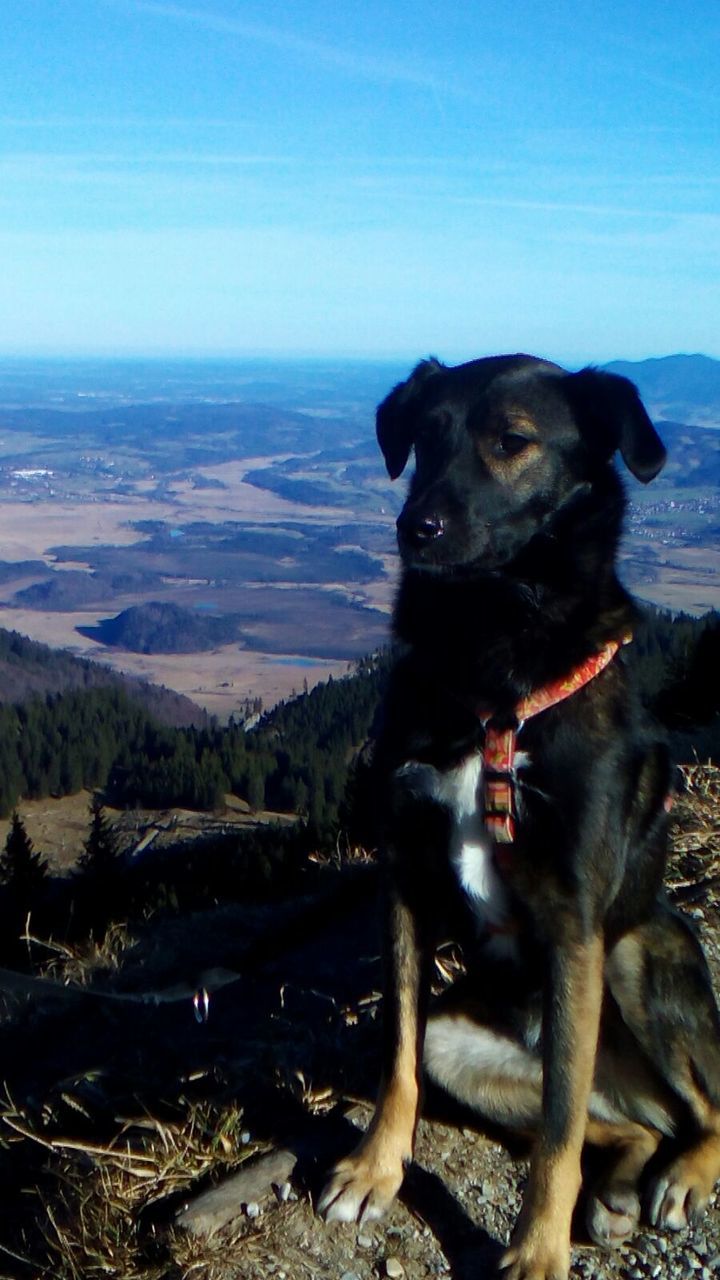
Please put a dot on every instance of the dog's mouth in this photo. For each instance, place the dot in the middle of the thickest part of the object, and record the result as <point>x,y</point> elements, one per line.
<point>467,547</point>
<point>433,544</point>
<point>438,547</point>
<point>448,566</point>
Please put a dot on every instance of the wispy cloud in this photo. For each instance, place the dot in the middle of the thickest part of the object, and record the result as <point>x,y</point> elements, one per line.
<point>63,122</point>
<point>28,163</point>
<point>663,53</point>
<point>388,69</point>
<point>564,206</point>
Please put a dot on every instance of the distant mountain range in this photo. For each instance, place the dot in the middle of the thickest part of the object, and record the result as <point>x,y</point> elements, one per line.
<point>676,388</point>
<point>693,455</point>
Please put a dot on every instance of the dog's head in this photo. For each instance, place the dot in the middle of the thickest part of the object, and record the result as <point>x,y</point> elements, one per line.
<point>502,446</point>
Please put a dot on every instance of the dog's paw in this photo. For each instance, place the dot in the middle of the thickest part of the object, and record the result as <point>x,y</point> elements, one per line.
<point>679,1195</point>
<point>360,1189</point>
<point>536,1254</point>
<point>613,1213</point>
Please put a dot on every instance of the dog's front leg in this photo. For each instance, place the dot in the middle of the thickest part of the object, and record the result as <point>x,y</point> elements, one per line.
<point>363,1184</point>
<point>540,1246</point>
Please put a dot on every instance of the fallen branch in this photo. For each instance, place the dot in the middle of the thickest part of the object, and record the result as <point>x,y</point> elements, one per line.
<point>211,1210</point>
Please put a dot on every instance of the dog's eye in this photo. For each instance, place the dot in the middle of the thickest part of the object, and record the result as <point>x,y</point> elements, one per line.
<point>511,444</point>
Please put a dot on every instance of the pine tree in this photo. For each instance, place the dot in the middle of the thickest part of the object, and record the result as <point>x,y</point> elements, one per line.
<point>100,857</point>
<point>101,888</point>
<point>255,786</point>
<point>22,869</point>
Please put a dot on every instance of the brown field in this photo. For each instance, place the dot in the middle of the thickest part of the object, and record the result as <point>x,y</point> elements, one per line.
<point>27,529</point>
<point>57,828</point>
<point>220,680</point>
<point>688,578</point>
<point>239,501</point>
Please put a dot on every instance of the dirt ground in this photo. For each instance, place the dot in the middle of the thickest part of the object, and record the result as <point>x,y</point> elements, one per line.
<point>127,1097</point>
<point>58,828</point>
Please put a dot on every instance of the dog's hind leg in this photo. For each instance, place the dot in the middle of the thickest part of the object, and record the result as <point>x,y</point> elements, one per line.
<point>499,1074</point>
<point>612,1210</point>
<point>485,1068</point>
<point>658,975</point>
<point>630,1111</point>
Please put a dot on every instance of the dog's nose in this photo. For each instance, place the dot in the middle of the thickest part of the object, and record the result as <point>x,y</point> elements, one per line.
<point>418,529</point>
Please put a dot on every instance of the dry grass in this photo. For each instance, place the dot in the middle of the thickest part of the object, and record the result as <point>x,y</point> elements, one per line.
<point>100,1217</point>
<point>56,826</point>
<point>694,867</point>
<point>101,1178</point>
<point>79,964</point>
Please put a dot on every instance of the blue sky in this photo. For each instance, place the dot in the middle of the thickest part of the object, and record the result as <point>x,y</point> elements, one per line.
<point>360,178</point>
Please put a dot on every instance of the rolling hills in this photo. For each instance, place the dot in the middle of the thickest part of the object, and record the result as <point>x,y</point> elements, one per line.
<point>677,388</point>
<point>248,502</point>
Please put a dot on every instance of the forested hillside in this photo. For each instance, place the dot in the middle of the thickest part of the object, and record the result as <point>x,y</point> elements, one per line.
<point>297,758</point>
<point>28,668</point>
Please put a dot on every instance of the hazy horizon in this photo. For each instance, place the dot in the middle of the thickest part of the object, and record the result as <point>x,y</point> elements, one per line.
<point>330,358</point>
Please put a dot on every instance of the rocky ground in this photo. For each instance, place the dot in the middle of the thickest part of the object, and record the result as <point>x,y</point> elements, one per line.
<point>133,1093</point>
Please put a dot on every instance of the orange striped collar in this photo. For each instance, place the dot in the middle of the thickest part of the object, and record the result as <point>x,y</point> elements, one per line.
<point>500,744</point>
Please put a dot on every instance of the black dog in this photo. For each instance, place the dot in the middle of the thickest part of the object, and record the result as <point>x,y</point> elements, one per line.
<point>525,805</point>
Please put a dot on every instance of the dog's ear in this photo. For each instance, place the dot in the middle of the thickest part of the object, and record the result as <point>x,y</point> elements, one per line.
<point>394,421</point>
<point>612,416</point>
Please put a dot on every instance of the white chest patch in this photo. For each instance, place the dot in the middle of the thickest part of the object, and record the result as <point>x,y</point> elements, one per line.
<point>459,791</point>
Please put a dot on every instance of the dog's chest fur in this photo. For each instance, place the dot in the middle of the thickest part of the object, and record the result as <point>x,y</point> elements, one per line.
<point>459,791</point>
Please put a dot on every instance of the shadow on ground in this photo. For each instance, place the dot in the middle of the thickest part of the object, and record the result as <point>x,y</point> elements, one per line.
<point>286,1043</point>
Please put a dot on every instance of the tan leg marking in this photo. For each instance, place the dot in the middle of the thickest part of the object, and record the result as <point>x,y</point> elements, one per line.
<point>540,1246</point>
<point>362,1186</point>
